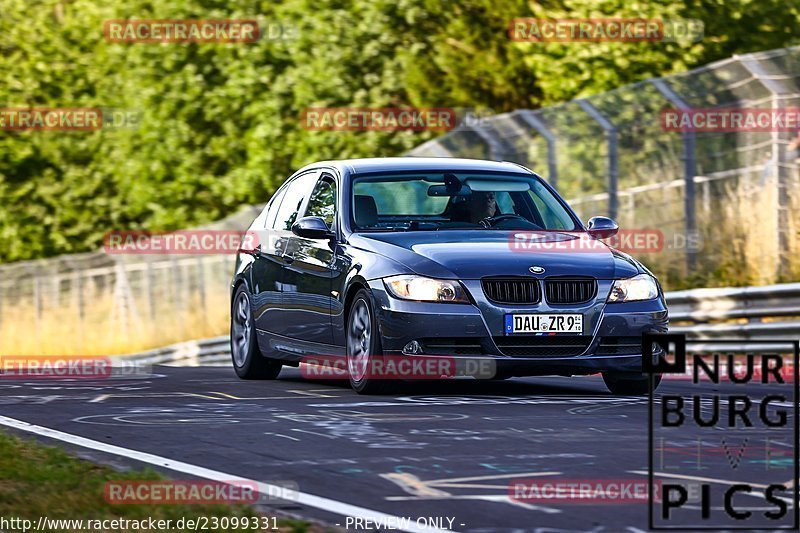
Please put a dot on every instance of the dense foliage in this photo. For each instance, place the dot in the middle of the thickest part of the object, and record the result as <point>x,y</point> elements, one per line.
<point>220,123</point>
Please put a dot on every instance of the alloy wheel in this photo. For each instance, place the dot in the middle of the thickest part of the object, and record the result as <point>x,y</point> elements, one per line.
<point>241,329</point>
<point>359,340</point>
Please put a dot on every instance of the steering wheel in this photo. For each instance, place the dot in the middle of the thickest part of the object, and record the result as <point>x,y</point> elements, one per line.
<point>489,222</point>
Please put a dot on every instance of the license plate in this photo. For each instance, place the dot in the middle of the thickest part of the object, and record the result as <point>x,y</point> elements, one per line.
<point>539,323</point>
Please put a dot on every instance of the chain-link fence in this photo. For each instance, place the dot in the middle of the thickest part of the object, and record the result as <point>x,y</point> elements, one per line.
<point>608,154</point>
<point>113,303</point>
<point>725,201</point>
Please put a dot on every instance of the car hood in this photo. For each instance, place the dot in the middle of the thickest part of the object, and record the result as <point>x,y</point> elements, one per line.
<point>473,254</point>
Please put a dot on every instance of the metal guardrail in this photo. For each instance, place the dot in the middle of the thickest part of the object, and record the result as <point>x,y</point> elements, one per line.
<point>206,352</point>
<point>757,305</point>
<point>701,314</point>
<point>752,303</point>
<point>770,312</point>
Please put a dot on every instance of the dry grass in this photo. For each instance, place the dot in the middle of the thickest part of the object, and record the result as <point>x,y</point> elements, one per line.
<point>104,331</point>
<point>739,230</point>
<point>793,230</point>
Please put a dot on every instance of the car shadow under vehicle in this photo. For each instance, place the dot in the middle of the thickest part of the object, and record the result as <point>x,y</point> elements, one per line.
<point>519,386</point>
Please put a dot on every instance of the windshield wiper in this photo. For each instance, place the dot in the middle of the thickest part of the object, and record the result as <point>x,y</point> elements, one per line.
<point>383,230</point>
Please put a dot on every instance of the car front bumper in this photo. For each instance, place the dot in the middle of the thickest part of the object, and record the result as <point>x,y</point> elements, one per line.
<point>611,340</point>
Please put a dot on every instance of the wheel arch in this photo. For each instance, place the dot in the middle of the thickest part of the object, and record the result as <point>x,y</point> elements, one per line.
<point>355,285</point>
<point>238,281</point>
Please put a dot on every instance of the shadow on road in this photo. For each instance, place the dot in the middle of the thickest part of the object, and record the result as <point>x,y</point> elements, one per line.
<point>538,386</point>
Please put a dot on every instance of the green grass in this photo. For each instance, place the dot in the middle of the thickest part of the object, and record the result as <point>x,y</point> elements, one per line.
<point>38,480</point>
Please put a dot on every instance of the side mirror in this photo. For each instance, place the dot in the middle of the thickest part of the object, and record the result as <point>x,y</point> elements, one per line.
<point>602,227</point>
<point>312,228</point>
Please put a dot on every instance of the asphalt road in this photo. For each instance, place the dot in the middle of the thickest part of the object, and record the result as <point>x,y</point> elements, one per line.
<point>435,449</point>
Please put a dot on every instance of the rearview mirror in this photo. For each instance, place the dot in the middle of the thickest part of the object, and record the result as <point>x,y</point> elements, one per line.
<point>444,190</point>
<point>602,227</point>
<point>312,228</point>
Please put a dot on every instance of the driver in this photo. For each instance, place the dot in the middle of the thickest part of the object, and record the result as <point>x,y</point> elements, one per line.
<point>482,205</point>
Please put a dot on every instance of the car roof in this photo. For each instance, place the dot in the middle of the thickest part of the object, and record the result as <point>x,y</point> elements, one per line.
<point>429,164</point>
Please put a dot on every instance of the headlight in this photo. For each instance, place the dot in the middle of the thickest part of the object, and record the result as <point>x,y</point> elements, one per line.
<point>641,287</point>
<point>425,289</point>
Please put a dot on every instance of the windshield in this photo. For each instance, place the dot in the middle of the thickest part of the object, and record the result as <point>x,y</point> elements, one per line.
<point>446,201</point>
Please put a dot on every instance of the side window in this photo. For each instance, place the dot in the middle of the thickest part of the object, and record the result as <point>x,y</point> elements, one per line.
<point>322,202</point>
<point>272,212</point>
<point>296,192</point>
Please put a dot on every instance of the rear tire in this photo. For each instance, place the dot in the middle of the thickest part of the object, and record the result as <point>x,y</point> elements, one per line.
<point>629,384</point>
<point>248,361</point>
<point>363,347</point>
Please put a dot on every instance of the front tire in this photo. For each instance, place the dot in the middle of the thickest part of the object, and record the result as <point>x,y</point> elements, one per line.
<point>248,362</point>
<point>363,347</point>
<point>629,385</point>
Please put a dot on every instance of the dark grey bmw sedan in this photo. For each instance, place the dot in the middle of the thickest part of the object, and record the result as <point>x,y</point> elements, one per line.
<point>366,260</point>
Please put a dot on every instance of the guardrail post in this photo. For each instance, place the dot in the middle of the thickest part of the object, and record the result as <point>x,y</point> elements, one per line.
<point>534,122</point>
<point>689,168</point>
<point>148,292</point>
<point>201,281</point>
<point>178,289</point>
<point>38,306</point>
<point>79,296</point>
<point>496,151</point>
<point>611,137</point>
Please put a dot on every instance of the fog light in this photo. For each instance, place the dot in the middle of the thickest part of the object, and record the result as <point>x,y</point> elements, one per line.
<point>412,348</point>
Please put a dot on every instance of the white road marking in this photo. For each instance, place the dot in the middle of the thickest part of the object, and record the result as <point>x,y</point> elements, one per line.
<point>101,398</point>
<point>429,490</point>
<point>520,475</point>
<point>282,435</point>
<point>234,397</point>
<point>494,498</point>
<point>314,393</point>
<point>318,502</point>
